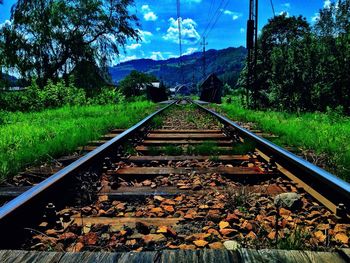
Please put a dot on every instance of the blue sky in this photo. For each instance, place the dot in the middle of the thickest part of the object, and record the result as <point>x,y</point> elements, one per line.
<point>159,25</point>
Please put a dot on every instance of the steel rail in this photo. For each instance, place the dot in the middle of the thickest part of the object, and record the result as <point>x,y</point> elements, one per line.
<point>84,161</point>
<point>337,190</point>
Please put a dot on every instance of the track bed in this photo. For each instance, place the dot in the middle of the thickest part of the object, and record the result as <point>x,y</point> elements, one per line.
<point>188,183</point>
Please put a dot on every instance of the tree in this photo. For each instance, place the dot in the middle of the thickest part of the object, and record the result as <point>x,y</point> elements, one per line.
<point>135,83</point>
<point>332,30</point>
<point>279,68</point>
<point>48,38</point>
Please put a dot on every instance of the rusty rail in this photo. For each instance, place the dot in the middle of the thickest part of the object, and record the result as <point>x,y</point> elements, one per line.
<point>13,214</point>
<point>327,184</point>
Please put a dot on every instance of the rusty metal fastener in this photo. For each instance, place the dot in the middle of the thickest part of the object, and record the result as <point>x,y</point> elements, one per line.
<point>341,210</point>
<point>50,213</point>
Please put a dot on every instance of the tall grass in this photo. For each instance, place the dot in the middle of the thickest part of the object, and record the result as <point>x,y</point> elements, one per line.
<point>327,133</point>
<point>27,138</point>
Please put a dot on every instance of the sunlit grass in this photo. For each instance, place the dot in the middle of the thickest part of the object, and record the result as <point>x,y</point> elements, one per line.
<point>28,138</point>
<point>320,132</point>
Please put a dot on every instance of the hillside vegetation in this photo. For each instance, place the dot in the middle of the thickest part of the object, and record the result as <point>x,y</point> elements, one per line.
<point>226,63</point>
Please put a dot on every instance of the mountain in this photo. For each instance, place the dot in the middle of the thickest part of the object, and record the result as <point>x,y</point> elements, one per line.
<point>226,63</point>
<point>8,78</point>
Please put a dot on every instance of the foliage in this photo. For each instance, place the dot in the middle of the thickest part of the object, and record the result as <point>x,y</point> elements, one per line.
<point>135,83</point>
<point>33,98</point>
<point>54,95</point>
<point>48,39</point>
<point>320,132</point>
<point>302,68</point>
<point>108,95</point>
<point>26,138</point>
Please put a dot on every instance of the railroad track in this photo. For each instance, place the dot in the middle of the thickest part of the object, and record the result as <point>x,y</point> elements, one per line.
<point>183,178</point>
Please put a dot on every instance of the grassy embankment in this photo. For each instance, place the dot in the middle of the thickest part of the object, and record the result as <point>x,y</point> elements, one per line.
<point>28,138</point>
<point>322,133</point>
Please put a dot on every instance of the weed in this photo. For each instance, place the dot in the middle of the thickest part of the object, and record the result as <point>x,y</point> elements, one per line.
<point>154,151</point>
<point>173,150</point>
<point>129,149</point>
<point>293,241</point>
<point>157,122</point>
<point>205,148</point>
<point>238,198</point>
<point>244,148</point>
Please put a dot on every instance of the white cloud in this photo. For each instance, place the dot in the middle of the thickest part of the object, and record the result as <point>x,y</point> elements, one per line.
<point>169,55</point>
<point>190,50</point>
<point>133,46</point>
<point>145,36</point>
<point>157,55</point>
<point>327,4</point>
<point>158,29</point>
<point>6,23</point>
<point>127,58</point>
<point>284,12</point>
<point>148,14</point>
<point>189,33</point>
<point>242,30</point>
<point>235,15</point>
<point>286,5</point>
<point>316,17</point>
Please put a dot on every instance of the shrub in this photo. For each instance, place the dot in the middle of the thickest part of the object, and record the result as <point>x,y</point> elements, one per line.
<point>107,96</point>
<point>33,98</point>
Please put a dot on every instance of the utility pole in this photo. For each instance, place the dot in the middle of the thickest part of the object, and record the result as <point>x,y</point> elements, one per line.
<point>204,65</point>
<point>252,46</point>
<point>179,19</point>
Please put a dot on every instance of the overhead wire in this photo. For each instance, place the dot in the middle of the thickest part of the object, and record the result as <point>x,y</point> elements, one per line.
<point>217,11</point>
<point>273,8</point>
<point>180,37</point>
<point>217,19</point>
<point>197,43</point>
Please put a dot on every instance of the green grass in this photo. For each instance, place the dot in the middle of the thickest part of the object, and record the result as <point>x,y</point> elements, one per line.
<point>243,148</point>
<point>173,150</point>
<point>322,133</point>
<point>29,138</point>
<point>205,148</point>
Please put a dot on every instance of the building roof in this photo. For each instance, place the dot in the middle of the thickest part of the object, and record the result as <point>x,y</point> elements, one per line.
<point>208,78</point>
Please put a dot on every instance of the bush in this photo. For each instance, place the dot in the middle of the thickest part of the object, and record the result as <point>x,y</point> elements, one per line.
<point>107,96</point>
<point>33,98</point>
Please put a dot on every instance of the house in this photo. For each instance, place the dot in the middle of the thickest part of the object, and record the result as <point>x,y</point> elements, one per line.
<point>211,89</point>
<point>156,91</point>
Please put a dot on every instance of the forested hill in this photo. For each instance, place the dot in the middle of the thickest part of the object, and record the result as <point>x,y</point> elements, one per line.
<point>7,80</point>
<point>227,63</point>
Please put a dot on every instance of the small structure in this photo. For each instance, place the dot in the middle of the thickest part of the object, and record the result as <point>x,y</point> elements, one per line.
<point>211,89</point>
<point>156,92</point>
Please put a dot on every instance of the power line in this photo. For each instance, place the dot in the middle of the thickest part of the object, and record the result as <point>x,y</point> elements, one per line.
<point>217,11</point>
<point>180,37</point>
<point>204,65</point>
<point>273,8</point>
<point>217,18</point>
<point>210,21</point>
